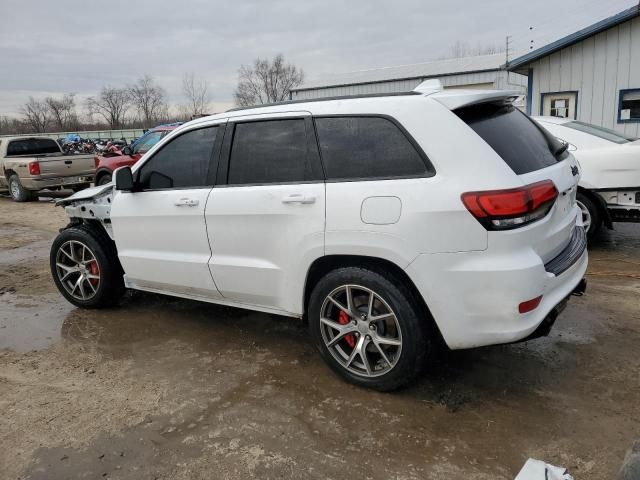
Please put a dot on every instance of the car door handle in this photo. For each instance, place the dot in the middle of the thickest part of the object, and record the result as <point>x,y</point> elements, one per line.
<point>299,198</point>
<point>186,202</point>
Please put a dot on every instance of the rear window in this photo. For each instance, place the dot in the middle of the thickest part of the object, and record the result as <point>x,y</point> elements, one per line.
<point>523,145</point>
<point>32,146</point>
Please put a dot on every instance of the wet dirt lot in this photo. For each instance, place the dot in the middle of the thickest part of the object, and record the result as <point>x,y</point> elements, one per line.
<point>173,389</point>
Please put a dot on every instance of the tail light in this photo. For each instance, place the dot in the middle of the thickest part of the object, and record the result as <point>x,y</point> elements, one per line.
<point>96,161</point>
<point>34,168</point>
<point>513,208</point>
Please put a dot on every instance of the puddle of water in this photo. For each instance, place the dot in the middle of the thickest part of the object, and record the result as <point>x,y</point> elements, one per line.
<point>31,323</point>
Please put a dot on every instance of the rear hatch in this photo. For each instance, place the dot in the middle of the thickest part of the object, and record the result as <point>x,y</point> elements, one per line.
<point>534,155</point>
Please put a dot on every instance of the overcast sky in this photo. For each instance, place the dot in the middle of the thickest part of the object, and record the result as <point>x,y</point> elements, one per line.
<point>56,46</point>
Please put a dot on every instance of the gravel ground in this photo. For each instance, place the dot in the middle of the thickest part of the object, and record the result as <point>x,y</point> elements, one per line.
<point>173,389</point>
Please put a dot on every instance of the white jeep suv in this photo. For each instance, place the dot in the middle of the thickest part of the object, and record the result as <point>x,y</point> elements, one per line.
<point>389,223</point>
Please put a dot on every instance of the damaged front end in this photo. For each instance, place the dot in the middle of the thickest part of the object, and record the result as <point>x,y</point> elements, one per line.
<point>91,205</point>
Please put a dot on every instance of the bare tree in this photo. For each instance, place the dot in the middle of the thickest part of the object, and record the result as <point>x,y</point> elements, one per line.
<point>266,81</point>
<point>148,99</point>
<point>112,104</point>
<point>197,93</point>
<point>63,112</point>
<point>36,115</point>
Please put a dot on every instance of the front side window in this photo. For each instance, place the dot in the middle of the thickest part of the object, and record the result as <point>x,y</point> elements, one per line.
<point>629,109</point>
<point>366,147</point>
<point>147,142</point>
<point>182,163</point>
<point>273,151</point>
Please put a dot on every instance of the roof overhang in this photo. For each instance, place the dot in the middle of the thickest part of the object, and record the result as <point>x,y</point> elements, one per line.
<point>520,64</point>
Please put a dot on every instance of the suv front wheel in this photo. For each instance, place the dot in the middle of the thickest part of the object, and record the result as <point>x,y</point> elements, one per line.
<point>368,328</point>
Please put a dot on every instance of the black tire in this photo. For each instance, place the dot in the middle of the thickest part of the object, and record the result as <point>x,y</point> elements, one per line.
<point>417,342</point>
<point>104,179</point>
<point>18,192</point>
<point>594,213</point>
<point>110,286</point>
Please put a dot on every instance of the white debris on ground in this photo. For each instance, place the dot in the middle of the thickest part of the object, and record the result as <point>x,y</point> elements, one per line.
<point>538,470</point>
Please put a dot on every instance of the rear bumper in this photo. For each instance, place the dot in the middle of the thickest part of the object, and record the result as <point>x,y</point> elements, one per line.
<point>55,182</point>
<point>474,296</point>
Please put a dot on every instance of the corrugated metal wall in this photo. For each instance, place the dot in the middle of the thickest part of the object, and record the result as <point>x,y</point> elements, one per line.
<point>497,79</point>
<point>597,68</point>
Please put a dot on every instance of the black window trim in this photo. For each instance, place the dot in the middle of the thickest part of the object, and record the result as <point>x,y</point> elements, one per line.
<point>213,160</point>
<point>430,171</point>
<point>312,151</point>
<point>621,94</point>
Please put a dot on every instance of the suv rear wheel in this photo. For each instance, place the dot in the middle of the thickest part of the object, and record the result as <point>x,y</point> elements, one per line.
<point>85,267</point>
<point>368,328</point>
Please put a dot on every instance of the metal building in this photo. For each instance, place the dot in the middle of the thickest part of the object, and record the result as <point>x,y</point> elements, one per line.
<point>592,75</point>
<point>483,71</point>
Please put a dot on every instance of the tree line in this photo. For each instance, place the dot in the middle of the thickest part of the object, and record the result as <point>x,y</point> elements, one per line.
<point>144,104</point>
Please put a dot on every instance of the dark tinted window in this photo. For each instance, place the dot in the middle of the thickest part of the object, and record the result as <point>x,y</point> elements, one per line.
<point>183,162</point>
<point>33,146</point>
<point>273,151</point>
<point>523,145</point>
<point>366,147</point>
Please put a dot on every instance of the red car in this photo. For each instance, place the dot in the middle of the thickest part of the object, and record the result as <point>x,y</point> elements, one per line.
<point>130,154</point>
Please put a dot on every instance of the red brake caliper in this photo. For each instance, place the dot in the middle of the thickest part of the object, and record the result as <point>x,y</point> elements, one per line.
<point>343,319</point>
<point>93,268</point>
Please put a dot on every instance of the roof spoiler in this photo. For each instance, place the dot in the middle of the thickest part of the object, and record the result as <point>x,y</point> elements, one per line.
<point>454,99</point>
<point>429,86</point>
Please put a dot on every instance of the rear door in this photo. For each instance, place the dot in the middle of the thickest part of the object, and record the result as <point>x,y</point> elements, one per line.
<point>265,218</point>
<point>160,228</point>
<point>534,155</point>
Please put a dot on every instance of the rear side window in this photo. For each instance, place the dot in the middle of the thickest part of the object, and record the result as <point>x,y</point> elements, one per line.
<point>523,146</point>
<point>32,146</point>
<point>273,151</point>
<point>366,147</point>
<point>182,163</point>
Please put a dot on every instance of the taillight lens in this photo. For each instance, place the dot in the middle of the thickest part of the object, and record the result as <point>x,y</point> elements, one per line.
<point>513,208</point>
<point>96,161</point>
<point>34,168</point>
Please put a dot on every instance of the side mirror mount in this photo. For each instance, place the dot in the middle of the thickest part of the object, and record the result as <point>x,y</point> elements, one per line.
<point>123,179</point>
<point>127,151</point>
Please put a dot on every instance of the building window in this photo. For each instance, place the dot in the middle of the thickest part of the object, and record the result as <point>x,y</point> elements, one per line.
<point>560,107</point>
<point>629,106</point>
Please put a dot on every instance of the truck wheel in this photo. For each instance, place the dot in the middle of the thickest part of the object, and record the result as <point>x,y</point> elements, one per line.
<point>18,192</point>
<point>369,329</point>
<point>591,216</point>
<point>104,179</point>
<point>85,267</point>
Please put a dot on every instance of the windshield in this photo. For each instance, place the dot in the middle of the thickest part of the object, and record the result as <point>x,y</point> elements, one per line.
<point>147,142</point>
<point>600,132</point>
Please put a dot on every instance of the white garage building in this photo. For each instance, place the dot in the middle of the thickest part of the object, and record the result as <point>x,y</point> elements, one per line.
<point>484,71</point>
<point>592,75</point>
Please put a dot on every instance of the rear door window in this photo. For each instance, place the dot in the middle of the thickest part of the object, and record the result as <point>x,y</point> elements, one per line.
<point>32,146</point>
<point>357,148</point>
<point>272,151</point>
<point>523,145</point>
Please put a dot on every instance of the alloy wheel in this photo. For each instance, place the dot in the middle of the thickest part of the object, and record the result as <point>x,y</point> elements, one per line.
<point>586,215</point>
<point>77,270</point>
<point>360,330</point>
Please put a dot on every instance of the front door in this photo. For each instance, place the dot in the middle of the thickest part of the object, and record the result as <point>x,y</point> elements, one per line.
<point>160,228</point>
<point>266,224</point>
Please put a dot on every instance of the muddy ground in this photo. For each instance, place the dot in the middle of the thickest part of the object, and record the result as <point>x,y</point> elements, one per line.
<point>173,389</point>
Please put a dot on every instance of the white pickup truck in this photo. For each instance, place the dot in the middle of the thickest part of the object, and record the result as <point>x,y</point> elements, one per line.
<point>31,164</point>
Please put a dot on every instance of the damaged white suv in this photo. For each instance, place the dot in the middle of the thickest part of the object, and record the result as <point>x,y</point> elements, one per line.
<point>389,223</point>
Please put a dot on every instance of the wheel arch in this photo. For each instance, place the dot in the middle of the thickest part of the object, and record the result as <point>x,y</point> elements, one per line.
<point>325,264</point>
<point>602,206</point>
